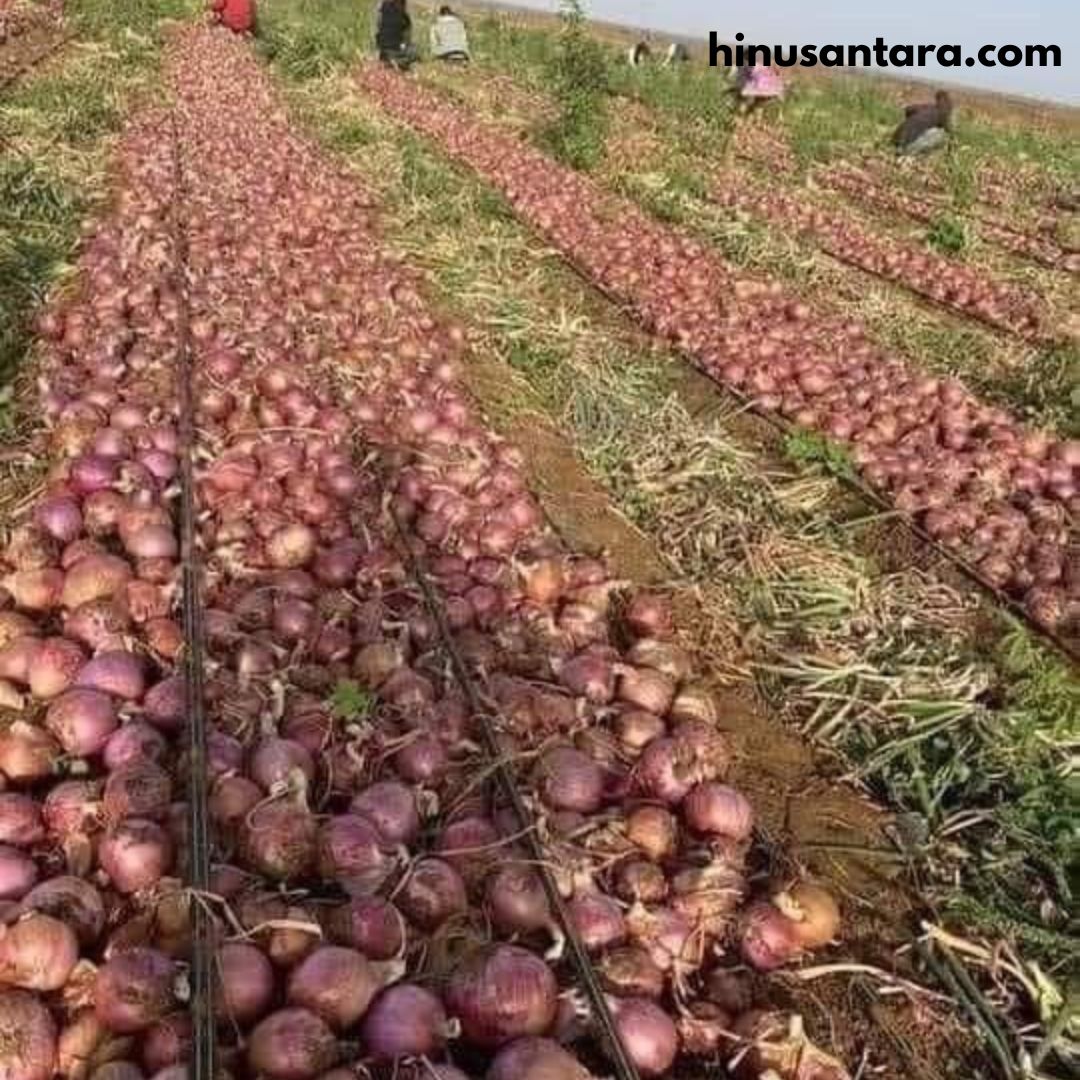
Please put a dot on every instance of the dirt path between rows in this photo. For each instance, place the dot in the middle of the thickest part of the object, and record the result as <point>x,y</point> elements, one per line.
<point>808,816</point>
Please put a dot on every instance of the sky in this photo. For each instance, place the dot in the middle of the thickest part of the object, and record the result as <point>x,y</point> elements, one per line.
<point>967,23</point>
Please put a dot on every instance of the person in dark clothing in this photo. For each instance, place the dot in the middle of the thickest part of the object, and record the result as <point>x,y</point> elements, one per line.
<point>925,127</point>
<point>392,35</point>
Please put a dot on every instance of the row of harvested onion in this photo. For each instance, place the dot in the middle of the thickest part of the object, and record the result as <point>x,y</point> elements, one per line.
<point>947,282</point>
<point>308,586</point>
<point>1002,496</point>
<point>863,187</point>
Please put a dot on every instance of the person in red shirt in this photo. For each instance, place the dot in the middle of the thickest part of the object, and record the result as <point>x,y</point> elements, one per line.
<point>237,15</point>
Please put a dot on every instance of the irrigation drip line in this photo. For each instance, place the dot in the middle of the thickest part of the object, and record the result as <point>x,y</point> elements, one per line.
<point>38,58</point>
<point>202,955</point>
<point>624,1067</point>
<point>1069,651</point>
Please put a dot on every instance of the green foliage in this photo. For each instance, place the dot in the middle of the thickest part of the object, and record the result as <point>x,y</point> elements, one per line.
<point>811,448</point>
<point>948,234</point>
<point>309,39</point>
<point>350,701</point>
<point>1046,389</point>
<point>58,118</point>
<point>579,77</point>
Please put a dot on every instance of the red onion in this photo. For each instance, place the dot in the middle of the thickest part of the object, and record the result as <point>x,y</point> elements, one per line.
<point>719,810</point>
<point>72,808</point>
<point>291,1044</point>
<point>291,547</point>
<point>119,673</point>
<point>646,689</point>
<point>18,873</point>
<point>134,990</point>
<point>369,924</point>
<point>647,1034</point>
<point>132,743</point>
<point>589,676</point>
<point>666,770</point>
<point>350,852</point>
<point>532,1058</point>
<point>768,938</point>
<point>516,901</point>
<point>135,854</point>
<point>98,625</point>
<point>245,983</point>
<point>60,517</point>
<point>36,590</point>
<point>422,760</point>
<point>629,971</point>
<point>814,912</point>
<point>139,789</point>
<point>433,892</point>
<point>55,664</point>
<point>73,901</point>
<point>648,616</point>
<point>567,779</point>
<point>167,1043</point>
<point>97,577</point>
<point>279,763</point>
<point>597,920</point>
<point>20,820</point>
<point>501,992</point>
<point>404,1021</point>
<point>391,808</point>
<point>335,983</point>
<point>27,753</point>
<point>232,799</point>
<point>82,720</point>
<point>28,1037</point>
<point>279,841</point>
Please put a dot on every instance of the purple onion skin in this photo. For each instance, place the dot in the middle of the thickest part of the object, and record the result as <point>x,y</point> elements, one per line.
<point>503,992</point>
<point>532,1058</point>
<point>404,1021</point>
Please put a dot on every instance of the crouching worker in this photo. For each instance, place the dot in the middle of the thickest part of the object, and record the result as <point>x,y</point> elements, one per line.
<point>393,36</point>
<point>237,15</point>
<point>925,127</point>
<point>449,40</point>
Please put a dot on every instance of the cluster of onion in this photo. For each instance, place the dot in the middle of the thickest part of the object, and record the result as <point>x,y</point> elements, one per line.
<point>307,587</point>
<point>92,823</point>
<point>863,188</point>
<point>947,282</point>
<point>981,483</point>
<point>22,16</point>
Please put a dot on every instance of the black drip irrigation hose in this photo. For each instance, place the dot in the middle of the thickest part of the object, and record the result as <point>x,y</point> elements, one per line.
<point>1068,650</point>
<point>624,1067</point>
<point>202,1063</point>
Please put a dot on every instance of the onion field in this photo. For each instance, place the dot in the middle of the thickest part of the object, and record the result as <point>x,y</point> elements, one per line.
<point>516,572</point>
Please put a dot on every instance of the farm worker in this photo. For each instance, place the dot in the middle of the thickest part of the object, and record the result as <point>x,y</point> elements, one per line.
<point>758,83</point>
<point>392,36</point>
<point>639,54</point>
<point>449,41</point>
<point>237,15</point>
<point>677,54</point>
<point>925,127</point>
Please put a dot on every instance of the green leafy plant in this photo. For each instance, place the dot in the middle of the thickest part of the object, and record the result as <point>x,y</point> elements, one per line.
<point>579,76</point>
<point>947,234</point>
<point>350,701</point>
<point>810,448</point>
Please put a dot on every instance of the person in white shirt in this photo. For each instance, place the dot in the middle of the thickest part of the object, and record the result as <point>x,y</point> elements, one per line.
<point>449,40</point>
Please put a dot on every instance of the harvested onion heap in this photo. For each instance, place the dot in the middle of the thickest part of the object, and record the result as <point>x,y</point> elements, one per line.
<point>1000,495</point>
<point>22,16</point>
<point>862,187</point>
<point>92,829</point>
<point>945,281</point>
<point>375,816</point>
